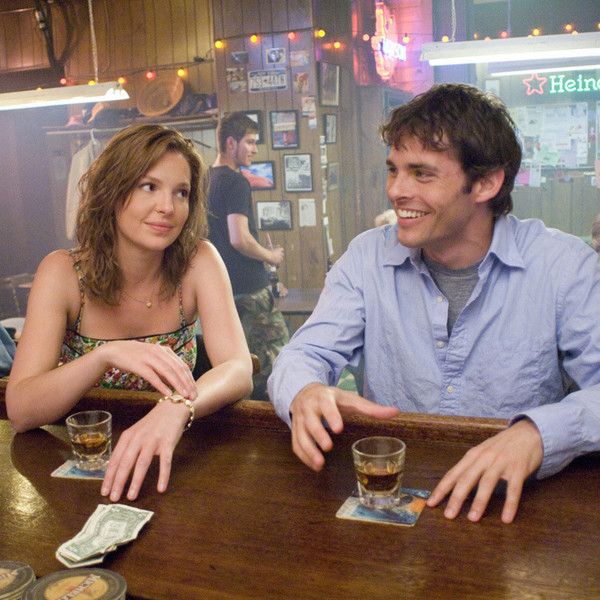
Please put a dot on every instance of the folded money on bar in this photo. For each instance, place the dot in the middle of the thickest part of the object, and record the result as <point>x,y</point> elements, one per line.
<point>109,526</point>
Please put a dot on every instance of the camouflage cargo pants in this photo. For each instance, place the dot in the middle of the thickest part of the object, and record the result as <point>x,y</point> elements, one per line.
<point>266,333</point>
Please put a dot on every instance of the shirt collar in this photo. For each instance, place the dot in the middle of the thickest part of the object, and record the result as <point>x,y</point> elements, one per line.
<point>503,246</point>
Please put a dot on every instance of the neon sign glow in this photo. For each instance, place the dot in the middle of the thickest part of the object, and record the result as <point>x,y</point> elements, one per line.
<point>385,44</point>
<point>561,84</point>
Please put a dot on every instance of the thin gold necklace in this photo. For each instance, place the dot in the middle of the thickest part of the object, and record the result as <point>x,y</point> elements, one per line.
<point>147,302</point>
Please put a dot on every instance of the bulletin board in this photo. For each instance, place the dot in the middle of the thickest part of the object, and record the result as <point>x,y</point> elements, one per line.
<point>557,135</point>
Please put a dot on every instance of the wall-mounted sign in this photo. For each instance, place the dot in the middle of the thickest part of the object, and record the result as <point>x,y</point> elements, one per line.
<point>267,80</point>
<point>385,44</point>
<point>560,84</point>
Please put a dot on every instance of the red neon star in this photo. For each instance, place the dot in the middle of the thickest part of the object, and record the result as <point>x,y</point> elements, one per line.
<point>535,84</point>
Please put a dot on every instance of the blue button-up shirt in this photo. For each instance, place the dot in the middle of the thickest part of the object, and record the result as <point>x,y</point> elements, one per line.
<point>535,307</point>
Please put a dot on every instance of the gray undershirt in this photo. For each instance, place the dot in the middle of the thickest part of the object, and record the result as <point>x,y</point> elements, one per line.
<point>456,284</point>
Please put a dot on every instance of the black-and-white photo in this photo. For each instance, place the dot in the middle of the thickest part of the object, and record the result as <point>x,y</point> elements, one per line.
<point>272,216</point>
<point>275,56</point>
<point>297,170</point>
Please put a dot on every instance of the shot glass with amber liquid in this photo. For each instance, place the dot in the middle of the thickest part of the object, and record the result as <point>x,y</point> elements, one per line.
<point>90,434</point>
<point>379,467</point>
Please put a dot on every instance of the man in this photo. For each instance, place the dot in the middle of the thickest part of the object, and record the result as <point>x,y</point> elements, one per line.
<point>458,309</point>
<point>233,232</point>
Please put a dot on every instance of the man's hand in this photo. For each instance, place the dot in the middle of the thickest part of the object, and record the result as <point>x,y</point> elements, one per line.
<point>277,256</point>
<point>511,455</point>
<point>315,402</point>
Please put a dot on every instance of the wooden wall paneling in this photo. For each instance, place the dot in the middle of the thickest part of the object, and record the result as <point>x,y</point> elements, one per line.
<point>102,30</point>
<point>121,26</point>
<point>137,41</point>
<point>279,12</point>
<point>266,15</point>
<point>299,14</point>
<point>250,15</point>
<point>14,56</point>
<point>232,23</point>
<point>162,40</point>
<point>150,33</point>
<point>180,41</point>
<point>28,32</point>
<point>218,19</point>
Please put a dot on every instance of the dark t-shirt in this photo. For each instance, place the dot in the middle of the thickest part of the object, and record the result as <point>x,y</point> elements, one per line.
<point>229,193</point>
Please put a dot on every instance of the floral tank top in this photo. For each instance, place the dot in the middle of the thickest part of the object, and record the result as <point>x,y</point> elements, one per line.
<point>182,342</point>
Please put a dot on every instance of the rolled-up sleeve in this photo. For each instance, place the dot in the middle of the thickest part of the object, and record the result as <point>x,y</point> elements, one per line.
<point>329,339</point>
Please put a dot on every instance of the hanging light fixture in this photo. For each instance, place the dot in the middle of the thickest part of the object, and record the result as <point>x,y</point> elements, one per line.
<point>547,47</point>
<point>70,94</point>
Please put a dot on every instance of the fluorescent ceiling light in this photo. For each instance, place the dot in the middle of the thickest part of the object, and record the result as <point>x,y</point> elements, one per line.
<point>68,94</point>
<point>546,47</point>
<point>545,70</point>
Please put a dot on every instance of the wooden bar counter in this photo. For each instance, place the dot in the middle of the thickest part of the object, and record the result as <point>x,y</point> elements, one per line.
<point>243,518</point>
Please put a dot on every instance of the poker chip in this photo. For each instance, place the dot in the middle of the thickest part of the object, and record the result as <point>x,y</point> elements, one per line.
<point>76,584</point>
<point>15,578</point>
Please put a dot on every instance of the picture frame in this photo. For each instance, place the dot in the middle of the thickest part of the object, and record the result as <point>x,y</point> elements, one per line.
<point>274,216</point>
<point>256,116</point>
<point>260,175</point>
<point>329,84</point>
<point>284,129</point>
<point>297,172</point>
<point>330,128</point>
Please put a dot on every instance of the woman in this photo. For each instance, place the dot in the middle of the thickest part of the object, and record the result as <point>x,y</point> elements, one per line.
<point>141,267</point>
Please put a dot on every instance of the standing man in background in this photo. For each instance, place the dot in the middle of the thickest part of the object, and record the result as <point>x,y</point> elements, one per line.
<point>233,231</point>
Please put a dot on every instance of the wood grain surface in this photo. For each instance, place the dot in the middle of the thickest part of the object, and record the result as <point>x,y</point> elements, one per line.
<point>243,518</point>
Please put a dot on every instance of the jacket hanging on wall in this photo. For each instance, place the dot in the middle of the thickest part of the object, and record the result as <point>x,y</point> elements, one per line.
<point>80,163</point>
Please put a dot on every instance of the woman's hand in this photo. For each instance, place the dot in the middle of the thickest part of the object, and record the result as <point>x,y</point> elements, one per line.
<point>157,364</point>
<point>156,434</point>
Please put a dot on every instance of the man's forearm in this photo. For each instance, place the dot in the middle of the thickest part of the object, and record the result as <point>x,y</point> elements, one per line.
<point>248,246</point>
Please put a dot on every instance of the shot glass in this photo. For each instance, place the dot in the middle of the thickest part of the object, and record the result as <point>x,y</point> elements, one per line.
<point>379,467</point>
<point>90,434</point>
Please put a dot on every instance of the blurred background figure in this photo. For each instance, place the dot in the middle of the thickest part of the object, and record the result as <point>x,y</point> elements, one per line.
<point>387,217</point>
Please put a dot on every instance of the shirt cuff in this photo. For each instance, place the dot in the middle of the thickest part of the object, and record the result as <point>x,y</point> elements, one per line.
<point>283,388</point>
<point>560,432</point>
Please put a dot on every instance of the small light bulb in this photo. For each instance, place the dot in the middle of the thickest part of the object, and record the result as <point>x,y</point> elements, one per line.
<point>150,75</point>
<point>445,39</point>
<point>569,27</point>
<point>92,82</point>
<point>475,36</point>
<point>504,34</point>
<point>536,31</point>
<point>254,38</point>
<point>63,81</point>
<point>337,45</point>
<point>219,44</point>
<point>406,38</point>
<point>320,33</point>
<point>122,80</point>
<point>292,36</point>
<point>181,72</point>
<point>366,37</point>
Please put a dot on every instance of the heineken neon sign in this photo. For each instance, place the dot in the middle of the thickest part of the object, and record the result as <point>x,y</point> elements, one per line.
<point>560,84</point>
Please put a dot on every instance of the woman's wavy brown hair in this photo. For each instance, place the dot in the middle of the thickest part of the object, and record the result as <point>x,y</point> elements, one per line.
<point>106,187</point>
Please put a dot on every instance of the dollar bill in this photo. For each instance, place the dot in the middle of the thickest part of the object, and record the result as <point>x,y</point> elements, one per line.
<point>109,526</point>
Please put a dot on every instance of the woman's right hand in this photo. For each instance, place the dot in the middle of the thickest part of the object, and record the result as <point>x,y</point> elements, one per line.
<point>157,364</point>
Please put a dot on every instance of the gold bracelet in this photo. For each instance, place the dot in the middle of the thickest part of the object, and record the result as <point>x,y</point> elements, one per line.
<point>179,399</point>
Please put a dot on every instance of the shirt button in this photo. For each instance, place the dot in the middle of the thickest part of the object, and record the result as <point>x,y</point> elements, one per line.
<point>440,298</point>
<point>440,344</point>
<point>450,389</point>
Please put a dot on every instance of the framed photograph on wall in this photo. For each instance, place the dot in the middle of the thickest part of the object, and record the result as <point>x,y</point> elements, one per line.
<point>256,116</point>
<point>330,128</point>
<point>274,216</point>
<point>260,175</point>
<point>284,129</point>
<point>297,172</point>
<point>329,84</point>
